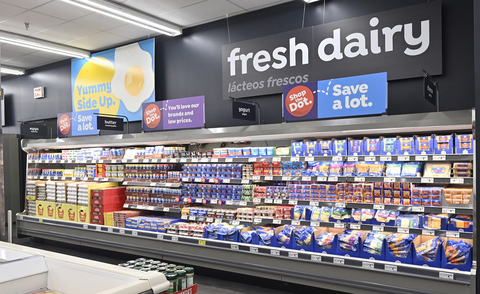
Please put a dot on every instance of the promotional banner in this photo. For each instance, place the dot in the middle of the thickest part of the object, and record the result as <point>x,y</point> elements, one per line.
<point>401,42</point>
<point>33,131</point>
<point>351,96</point>
<point>183,113</point>
<point>77,123</point>
<point>115,81</point>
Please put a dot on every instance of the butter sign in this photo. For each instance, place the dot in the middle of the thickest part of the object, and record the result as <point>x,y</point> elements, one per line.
<point>352,96</point>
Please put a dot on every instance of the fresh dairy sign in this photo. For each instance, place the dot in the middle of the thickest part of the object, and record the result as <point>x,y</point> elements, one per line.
<point>401,42</point>
<point>351,96</point>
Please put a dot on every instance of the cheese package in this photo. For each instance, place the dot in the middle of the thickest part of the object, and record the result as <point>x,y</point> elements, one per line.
<point>406,146</point>
<point>464,144</point>
<point>443,144</point>
<point>423,145</point>
<point>437,170</point>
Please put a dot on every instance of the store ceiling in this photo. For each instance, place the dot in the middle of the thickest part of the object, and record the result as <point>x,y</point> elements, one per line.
<point>63,23</point>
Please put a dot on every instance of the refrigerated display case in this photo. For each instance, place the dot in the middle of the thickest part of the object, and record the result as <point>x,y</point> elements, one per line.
<point>28,270</point>
<point>342,272</point>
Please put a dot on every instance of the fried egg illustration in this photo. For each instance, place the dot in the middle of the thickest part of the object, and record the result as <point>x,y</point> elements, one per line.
<point>133,81</point>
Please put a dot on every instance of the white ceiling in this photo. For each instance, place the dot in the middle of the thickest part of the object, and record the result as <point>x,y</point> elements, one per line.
<point>60,22</point>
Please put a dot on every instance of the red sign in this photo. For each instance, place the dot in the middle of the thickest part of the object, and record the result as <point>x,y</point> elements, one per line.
<point>299,101</point>
<point>190,290</point>
<point>152,116</point>
<point>64,124</point>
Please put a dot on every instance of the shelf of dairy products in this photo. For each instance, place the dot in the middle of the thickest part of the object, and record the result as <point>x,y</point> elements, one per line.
<point>118,180</point>
<point>305,266</point>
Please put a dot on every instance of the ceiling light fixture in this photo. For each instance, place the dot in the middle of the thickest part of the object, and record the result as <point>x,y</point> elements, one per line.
<point>33,43</point>
<point>129,15</point>
<point>11,70</point>
<point>311,1</point>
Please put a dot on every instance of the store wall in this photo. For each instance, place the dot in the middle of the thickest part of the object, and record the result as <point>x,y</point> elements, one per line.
<point>191,65</point>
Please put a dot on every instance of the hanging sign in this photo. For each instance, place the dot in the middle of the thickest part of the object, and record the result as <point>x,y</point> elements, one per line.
<point>79,123</point>
<point>244,111</point>
<point>109,123</point>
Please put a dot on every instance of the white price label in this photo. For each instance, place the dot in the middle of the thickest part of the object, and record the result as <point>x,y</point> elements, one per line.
<point>234,247</point>
<point>370,158</point>
<point>339,225</point>
<point>366,264</point>
<point>242,203</point>
<point>448,210</point>
<point>355,227</point>
<point>100,161</point>
<point>98,228</point>
<point>173,160</point>
<point>275,252</point>
<point>134,161</point>
<point>55,178</point>
<point>256,177</point>
<point>352,158</point>
<point>229,202</point>
<point>174,238</point>
<point>63,161</point>
<point>378,228</point>
<point>184,217</point>
<point>292,202</point>
<point>254,249</point>
<point>166,209</point>
<point>286,178</point>
<point>418,209</point>
<point>315,224</point>
<point>389,180</point>
<point>278,201</point>
<point>104,179</point>
<point>359,179</point>
<point>268,200</point>
<point>252,159</point>
<point>309,158</point>
<point>213,201</point>
<point>338,260</point>
<point>378,206</point>
<point>74,178</point>
<point>306,179</point>
<point>295,158</point>
<point>428,232</point>
<point>403,158</point>
<point>211,180</point>
<point>209,220</point>
<point>235,222</point>
<point>82,161</point>
<point>385,158</point>
<point>192,218</point>
<point>213,159</point>
<point>457,181</point>
<point>390,268</point>
<point>164,160</point>
<point>451,234</point>
<point>96,179</point>
<point>226,181</point>
<point>198,180</point>
<point>314,203</point>
<point>295,222</point>
<point>121,231</point>
<point>218,220</point>
<point>168,184</point>
<point>244,182</point>
<point>317,258</point>
<point>268,178</point>
<point>293,254</point>
<point>421,158</point>
<point>257,220</point>
<point>110,229</point>
<point>20,217</point>
<point>340,204</point>
<point>47,161</point>
<point>160,237</point>
<point>447,276</point>
<point>321,179</point>
<point>114,161</point>
<point>439,158</point>
<point>183,160</point>
<point>276,159</point>
<point>194,159</point>
<point>153,184</point>
<point>85,226</point>
<point>427,180</point>
<point>403,230</point>
<point>333,179</point>
<point>277,221</point>
<point>337,158</point>
<point>226,159</point>
<point>134,233</point>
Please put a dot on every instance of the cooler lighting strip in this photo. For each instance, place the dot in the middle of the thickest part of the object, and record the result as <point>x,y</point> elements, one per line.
<point>125,14</point>
<point>33,43</point>
<point>11,70</point>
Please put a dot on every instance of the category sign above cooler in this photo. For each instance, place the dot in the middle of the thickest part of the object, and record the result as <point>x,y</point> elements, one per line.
<point>183,113</point>
<point>77,123</point>
<point>350,96</point>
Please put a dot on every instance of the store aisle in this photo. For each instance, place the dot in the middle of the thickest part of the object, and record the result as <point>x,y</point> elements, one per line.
<point>209,281</point>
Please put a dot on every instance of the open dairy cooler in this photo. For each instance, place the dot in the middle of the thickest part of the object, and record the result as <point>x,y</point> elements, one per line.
<point>25,270</point>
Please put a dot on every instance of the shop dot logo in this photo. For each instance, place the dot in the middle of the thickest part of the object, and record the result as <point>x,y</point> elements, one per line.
<point>64,124</point>
<point>299,101</point>
<point>152,116</point>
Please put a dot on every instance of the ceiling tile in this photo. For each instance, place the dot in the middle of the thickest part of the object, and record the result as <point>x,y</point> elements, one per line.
<point>97,41</point>
<point>155,7</point>
<point>255,4</point>
<point>132,32</point>
<point>6,55</point>
<point>49,56</point>
<point>99,21</point>
<point>27,4</point>
<point>62,10</point>
<point>8,11</point>
<point>65,32</point>
<point>201,12</point>
<point>27,61</point>
<point>37,22</point>
<point>19,49</point>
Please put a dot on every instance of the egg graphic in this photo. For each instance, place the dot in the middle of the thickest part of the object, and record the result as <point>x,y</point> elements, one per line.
<point>133,81</point>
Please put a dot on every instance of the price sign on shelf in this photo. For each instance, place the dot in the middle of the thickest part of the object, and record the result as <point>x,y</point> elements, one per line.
<point>359,179</point>
<point>278,201</point>
<point>292,202</point>
<point>403,230</point>
<point>403,158</point>
<point>309,158</point>
<point>339,225</point>
<point>174,238</point>
<point>378,206</point>
<point>355,227</point>
<point>314,203</point>
<point>194,159</point>
<point>254,249</point>
<point>370,158</point>
<point>448,210</point>
<point>184,217</point>
<point>352,158</point>
<point>315,224</point>
<point>427,180</point>
<point>378,228</point>
<point>244,182</point>
<point>267,200</point>
<point>428,232</point>
<point>234,247</point>
<point>252,159</point>
<point>385,158</point>
<point>214,160</point>
<point>257,220</point>
<point>421,158</point>
<point>277,221</point>
<point>295,158</point>
<point>268,178</point>
<point>317,258</point>
<point>337,158</point>
<point>276,159</point>
<point>457,181</point>
<point>293,254</point>
<point>390,268</point>
<point>275,252</point>
<point>451,234</point>
<point>286,178</point>
<point>389,180</point>
<point>242,203</point>
<point>227,159</point>
<point>295,222</point>
<point>306,179</point>
<point>367,264</point>
<point>439,158</point>
<point>338,260</point>
<point>418,209</point>
<point>209,220</point>
<point>333,179</point>
<point>256,177</point>
<point>447,276</point>
<point>340,204</point>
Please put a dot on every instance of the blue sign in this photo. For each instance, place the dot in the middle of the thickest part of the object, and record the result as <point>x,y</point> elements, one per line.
<point>352,96</point>
<point>79,123</point>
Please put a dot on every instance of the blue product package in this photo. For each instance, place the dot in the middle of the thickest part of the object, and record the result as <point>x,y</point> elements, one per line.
<point>355,147</point>
<point>406,146</point>
<point>310,148</point>
<point>270,151</point>
<point>443,144</point>
<point>463,144</point>
<point>372,146</point>
<point>411,169</point>
<point>254,152</point>
<point>297,148</point>
<point>262,151</point>
<point>339,148</point>
<point>423,145</point>
<point>324,147</point>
